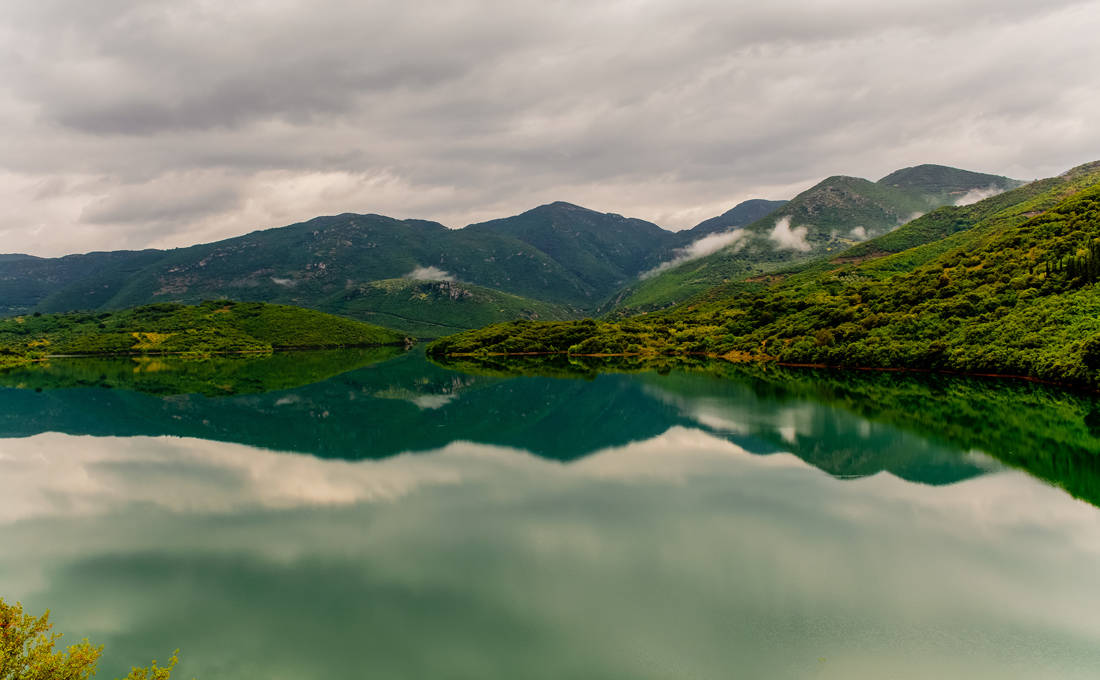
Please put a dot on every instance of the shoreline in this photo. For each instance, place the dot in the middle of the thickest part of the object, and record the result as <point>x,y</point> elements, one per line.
<point>765,361</point>
<point>196,354</point>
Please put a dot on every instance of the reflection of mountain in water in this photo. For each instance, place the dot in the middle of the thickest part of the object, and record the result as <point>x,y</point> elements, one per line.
<point>211,376</point>
<point>409,404</point>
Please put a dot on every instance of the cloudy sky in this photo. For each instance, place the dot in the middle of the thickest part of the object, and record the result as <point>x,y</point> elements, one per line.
<point>164,123</point>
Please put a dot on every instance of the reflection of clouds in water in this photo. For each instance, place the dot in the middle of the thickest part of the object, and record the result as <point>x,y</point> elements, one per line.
<point>723,414</point>
<point>55,474</point>
<point>430,402</point>
<point>678,454</point>
<point>762,561</point>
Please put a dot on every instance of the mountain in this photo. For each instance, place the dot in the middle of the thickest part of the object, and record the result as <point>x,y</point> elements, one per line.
<point>948,185</point>
<point>828,217</point>
<point>740,215</point>
<point>25,282</point>
<point>555,261</point>
<point>317,264</point>
<point>1012,290</point>
<point>603,250</point>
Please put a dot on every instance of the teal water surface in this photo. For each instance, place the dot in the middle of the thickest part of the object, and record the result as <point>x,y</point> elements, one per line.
<point>361,514</point>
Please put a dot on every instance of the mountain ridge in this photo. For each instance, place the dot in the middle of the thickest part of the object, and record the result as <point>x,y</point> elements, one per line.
<point>832,215</point>
<point>574,259</point>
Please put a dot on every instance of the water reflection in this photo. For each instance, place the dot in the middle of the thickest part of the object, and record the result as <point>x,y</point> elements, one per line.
<point>408,404</point>
<point>403,520</point>
<point>680,555</point>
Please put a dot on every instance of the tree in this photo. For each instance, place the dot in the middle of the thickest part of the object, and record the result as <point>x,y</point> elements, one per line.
<point>27,651</point>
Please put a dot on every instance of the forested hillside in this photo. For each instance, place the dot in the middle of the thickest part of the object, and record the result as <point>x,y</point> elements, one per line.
<point>827,218</point>
<point>1010,289</point>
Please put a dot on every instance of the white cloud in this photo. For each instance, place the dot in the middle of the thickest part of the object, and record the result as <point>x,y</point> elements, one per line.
<point>700,248</point>
<point>975,195</point>
<point>429,274</point>
<point>858,233</point>
<point>787,238</point>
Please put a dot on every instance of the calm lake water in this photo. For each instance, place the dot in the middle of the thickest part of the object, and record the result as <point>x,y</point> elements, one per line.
<point>369,514</point>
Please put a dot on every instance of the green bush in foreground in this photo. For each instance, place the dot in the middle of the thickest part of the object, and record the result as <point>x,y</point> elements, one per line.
<point>28,651</point>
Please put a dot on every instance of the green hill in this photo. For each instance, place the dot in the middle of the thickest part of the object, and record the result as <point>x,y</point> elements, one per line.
<point>740,215</point>
<point>1014,293</point>
<point>603,250</point>
<point>312,264</point>
<point>430,309</point>
<point>209,328</point>
<point>829,217</point>
<point>944,185</point>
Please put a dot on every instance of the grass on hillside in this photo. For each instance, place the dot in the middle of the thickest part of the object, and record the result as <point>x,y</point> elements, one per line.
<point>432,309</point>
<point>221,326</point>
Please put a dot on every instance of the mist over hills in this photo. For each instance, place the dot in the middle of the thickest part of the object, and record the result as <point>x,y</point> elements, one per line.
<point>742,214</point>
<point>555,261</point>
<point>831,216</point>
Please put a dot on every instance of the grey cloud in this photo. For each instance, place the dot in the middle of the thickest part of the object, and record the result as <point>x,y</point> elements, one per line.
<point>166,200</point>
<point>122,112</point>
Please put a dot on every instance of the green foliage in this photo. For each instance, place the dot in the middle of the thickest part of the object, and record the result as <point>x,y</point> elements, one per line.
<point>153,671</point>
<point>28,651</point>
<point>213,327</point>
<point>978,301</point>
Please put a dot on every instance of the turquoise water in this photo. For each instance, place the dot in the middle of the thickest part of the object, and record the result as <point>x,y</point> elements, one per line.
<point>403,520</point>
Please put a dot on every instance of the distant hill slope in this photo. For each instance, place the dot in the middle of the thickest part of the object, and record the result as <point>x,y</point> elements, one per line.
<point>740,215</point>
<point>432,309</point>
<point>313,263</point>
<point>25,282</point>
<point>831,216</point>
<point>947,185</point>
<point>603,250</point>
<point>166,328</point>
<point>303,263</point>
<point>1015,293</point>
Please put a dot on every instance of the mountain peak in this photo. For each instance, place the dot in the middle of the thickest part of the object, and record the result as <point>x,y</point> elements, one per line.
<point>560,207</point>
<point>941,179</point>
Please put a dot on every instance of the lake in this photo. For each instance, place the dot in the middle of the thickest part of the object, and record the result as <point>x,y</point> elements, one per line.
<point>372,514</point>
